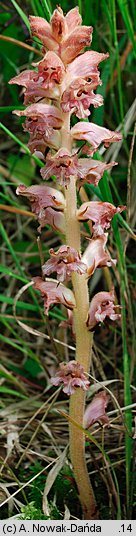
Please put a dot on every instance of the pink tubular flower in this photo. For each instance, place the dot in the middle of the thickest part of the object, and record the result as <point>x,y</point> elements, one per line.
<point>95,411</point>
<point>62,165</point>
<point>79,95</point>
<point>94,134</point>
<point>100,213</point>
<point>42,137</point>
<point>43,83</point>
<point>102,306</point>
<point>82,77</point>
<point>86,67</point>
<point>42,197</point>
<point>41,122</point>
<point>65,261</point>
<point>46,203</point>
<point>64,35</point>
<point>52,217</point>
<point>47,113</point>
<point>95,254</point>
<point>75,43</point>
<point>72,375</point>
<point>90,171</point>
<point>54,292</point>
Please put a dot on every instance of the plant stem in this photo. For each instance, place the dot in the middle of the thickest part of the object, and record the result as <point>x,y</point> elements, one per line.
<point>83,347</point>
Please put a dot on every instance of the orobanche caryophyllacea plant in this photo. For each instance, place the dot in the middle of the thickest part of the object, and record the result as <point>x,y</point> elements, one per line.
<point>62,84</point>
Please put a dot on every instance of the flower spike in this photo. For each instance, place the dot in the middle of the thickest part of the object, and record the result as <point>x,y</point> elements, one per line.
<point>64,82</point>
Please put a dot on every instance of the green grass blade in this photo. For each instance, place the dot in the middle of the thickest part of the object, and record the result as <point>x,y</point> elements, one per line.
<point>47,8</point>
<point>8,376</point>
<point>24,344</point>
<point>80,6</point>
<point>123,5</point>
<point>120,93</point>
<point>8,391</point>
<point>20,304</point>
<point>10,248</point>
<point>13,137</point>
<point>11,343</point>
<point>21,14</point>
<point>7,271</point>
<point>7,109</point>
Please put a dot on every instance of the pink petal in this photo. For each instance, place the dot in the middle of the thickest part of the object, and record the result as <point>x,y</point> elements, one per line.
<point>64,35</point>
<point>72,376</point>
<point>54,292</point>
<point>51,67</point>
<point>75,43</point>
<point>64,261</point>
<point>42,137</point>
<point>80,95</point>
<point>62,164</point>
<point>86,65</point>
<point>52,217</point>
<point>90,171</point>
<point>44,82</point>
<point>94,134</point>
<point>73,19</point>
<point>45,112</point>
<point>23,78</point>
<point>81,79</point>
<point>70,387</point>
<point>35,88</point>
<point>95,411</point>
<point>40,120</point>
<point>42,29</point>
<point>42,197</point>
<point>102,306</point>
<point>58,25</point>
<point>96,256</point>
<point>100,213</point>
<point>44,200</point>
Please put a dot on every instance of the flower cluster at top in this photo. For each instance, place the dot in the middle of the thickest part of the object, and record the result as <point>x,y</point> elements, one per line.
<point>63,83</point>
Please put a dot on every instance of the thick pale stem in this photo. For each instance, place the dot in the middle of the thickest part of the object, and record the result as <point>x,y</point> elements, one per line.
<point>83,348</point>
